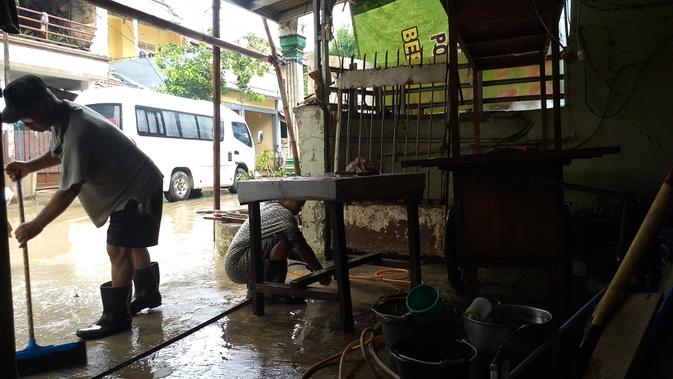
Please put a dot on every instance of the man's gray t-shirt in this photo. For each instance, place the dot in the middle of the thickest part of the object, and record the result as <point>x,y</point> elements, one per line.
<point>278,224</point>
<point>110,167</point>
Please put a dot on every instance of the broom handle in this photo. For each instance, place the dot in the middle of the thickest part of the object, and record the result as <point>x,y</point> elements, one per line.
<point>26,267</point>
<point>644,237</point>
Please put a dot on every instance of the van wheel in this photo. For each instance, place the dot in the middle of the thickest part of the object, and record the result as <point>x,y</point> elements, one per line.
<point>181,186</point>
<point>240,171</point>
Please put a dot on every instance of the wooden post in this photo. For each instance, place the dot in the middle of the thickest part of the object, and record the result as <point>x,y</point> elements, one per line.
<point>336,215</point>
<point>283,96</point>
<point>414,242</point>
<point>556,87</point>
<point>543,101</point>
<point>216,106</point>
<point>255,221</point>
<point>476,107</point>
<point>454,82</point>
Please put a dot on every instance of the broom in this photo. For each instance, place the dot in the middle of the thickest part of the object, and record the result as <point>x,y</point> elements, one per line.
<point>34,357</point>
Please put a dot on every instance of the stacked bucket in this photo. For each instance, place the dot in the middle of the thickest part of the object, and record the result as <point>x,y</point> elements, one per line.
<point>425,335</point>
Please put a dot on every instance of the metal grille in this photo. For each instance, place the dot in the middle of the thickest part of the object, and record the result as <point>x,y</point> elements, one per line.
<point>391,110</point>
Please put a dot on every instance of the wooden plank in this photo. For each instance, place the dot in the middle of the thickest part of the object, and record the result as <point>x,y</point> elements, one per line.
<point>285,290</point>
<point>620,341</point>
<point>490,159</point>
<point>315,276</point>
<point>332,187</point>
<point>379,77</point>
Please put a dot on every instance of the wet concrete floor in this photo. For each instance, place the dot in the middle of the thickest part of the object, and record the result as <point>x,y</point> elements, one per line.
<point>69,262</point>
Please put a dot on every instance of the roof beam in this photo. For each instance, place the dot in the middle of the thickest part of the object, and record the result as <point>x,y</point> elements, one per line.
<point>256,4</point>
<point>245,4</point>
<point>168,25</point>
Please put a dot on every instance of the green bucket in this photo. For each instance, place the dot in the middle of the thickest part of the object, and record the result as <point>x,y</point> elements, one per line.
<point>425,300</point>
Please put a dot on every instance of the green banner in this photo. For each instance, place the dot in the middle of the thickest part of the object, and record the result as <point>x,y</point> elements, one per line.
<point>407,27</point>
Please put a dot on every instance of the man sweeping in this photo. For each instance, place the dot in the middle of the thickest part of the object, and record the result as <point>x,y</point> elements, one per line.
<point>113,179</point>
<point>281,238</point>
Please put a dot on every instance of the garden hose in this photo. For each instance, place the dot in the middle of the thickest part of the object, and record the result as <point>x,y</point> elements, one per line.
<point>366,346</point>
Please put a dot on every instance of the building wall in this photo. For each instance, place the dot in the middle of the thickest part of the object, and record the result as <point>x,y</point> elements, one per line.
<point>239,98</point>
<point>120,38</point>
<point>613,37</point>
<point>155,36</point>
<point>264,122</point>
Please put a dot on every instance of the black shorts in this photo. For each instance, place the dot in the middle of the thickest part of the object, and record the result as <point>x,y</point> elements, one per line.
<point>137,225</point>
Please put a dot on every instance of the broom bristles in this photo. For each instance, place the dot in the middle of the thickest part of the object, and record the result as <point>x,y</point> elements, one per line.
<point>35,358</point>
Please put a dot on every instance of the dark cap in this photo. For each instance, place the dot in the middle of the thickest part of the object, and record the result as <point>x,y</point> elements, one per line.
<point>20,95</point>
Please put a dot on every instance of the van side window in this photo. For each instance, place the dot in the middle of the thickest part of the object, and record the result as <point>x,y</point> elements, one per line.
<point>171,124</point>
<point>188,125</point>
<point>141,118</point>
<point>111,112</point>
<point>241,133</point>
<point>155,122</point>
<point>205,127</point>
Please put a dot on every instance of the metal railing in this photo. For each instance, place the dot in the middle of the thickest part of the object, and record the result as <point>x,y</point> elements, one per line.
<point>45,27</point>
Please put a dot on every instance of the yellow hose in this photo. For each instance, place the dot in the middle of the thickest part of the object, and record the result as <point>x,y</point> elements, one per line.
<point>393,277</point>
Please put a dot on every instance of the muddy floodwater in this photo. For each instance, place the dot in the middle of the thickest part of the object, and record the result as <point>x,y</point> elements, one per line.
<point>68,262</point>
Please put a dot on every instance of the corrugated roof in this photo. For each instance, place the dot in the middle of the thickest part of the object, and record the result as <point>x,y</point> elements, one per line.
<point>276,10</point>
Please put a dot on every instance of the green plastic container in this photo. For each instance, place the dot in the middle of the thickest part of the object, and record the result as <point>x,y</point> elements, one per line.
<point>425,300</point>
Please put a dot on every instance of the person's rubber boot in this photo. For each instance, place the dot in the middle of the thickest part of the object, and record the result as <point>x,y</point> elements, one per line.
<point>146,283</point>
<point>116,317</point>
<point>276,272</point>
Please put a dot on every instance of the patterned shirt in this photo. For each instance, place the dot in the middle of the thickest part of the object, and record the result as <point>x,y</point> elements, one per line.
<point>278,224</point>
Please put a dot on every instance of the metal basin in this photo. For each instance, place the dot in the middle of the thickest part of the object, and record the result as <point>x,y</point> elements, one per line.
<point>519,328</point>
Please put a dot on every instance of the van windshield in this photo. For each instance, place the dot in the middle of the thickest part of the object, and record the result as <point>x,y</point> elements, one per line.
<point>111,112</point>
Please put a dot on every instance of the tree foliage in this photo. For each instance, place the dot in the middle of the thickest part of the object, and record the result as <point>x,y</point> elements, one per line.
<point>343,44</point>
<point>188,70</point>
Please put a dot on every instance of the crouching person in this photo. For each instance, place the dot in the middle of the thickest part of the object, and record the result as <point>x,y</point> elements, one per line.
<point>112,178</point>
<point>281,238</point>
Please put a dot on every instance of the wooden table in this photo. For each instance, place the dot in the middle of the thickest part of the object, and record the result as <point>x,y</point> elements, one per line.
<point>335,191</point>
<point>508,215</point>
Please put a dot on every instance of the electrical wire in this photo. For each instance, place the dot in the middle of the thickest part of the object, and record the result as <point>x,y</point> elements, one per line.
<point>605,114</point>
<point>643,63</point>
<point>544,25</point>
<point>365,343</point>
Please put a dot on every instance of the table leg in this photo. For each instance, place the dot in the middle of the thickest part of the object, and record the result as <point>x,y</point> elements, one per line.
<point>336,214</point>
<point>256,252</point>
<point>414,242</point>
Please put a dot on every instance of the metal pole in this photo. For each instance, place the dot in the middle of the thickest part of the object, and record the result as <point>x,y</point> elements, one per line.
<point>164,24</point>
<point>382,101</point>
<point>337,134</point>
<point>216,106</point>
<point>7,343</point>
<point>316,36</point>
<point>5,44</point>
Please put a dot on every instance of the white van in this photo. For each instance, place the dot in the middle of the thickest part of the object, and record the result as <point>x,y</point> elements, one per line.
<point>176,133</point>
